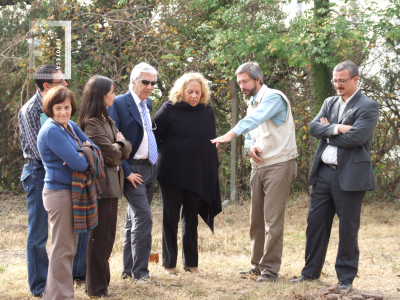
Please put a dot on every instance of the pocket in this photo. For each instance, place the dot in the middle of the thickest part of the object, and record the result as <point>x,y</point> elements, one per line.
<point>294,170</point>
<point>361,157</point>
<point>267,143</point>
<point>24,179</point>
<point>25,175</point>
<point>39,171</point>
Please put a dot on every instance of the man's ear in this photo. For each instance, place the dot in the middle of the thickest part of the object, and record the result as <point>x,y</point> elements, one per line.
<point>46,86</point>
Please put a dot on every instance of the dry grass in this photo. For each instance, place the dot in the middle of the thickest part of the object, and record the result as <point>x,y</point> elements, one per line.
<point>222,255</point>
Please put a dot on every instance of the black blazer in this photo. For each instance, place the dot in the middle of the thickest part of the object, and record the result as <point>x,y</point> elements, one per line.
<point>354,162</point>
<point>127,118</point>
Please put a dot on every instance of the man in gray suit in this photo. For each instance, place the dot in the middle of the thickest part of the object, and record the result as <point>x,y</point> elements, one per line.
<point>341,173</point>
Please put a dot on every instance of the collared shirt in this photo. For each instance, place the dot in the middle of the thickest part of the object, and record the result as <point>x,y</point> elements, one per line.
<point>143,151</point>
<point>329,156</point>
<point>273,107</point>
<point>29,119</point>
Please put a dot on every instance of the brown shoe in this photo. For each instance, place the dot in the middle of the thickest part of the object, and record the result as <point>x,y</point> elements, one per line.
<point>251,271</point>
<point>171,271</point>
<point>266,278</point>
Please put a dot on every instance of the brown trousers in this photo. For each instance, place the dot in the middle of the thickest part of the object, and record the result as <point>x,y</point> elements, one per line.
<point>270,190</point>
<point>100,245</point>
<point>59,283</point>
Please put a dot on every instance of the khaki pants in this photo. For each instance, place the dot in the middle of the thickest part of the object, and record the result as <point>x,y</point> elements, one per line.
<point>59,284</point>
<point>270,189</point>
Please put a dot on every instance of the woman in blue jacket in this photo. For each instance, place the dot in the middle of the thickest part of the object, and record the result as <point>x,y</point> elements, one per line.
<point>58,142</point>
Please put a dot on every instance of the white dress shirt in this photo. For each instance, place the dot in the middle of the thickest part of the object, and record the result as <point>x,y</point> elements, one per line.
<point>143,151</point>
<point>329,156</point>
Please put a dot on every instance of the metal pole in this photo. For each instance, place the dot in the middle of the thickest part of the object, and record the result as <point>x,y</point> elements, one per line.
<point>234,142</point>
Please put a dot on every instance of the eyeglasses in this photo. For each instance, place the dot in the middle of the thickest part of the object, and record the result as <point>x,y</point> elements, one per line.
<point>146,82</point>
<point>58,82</point>
<point>340,82</point>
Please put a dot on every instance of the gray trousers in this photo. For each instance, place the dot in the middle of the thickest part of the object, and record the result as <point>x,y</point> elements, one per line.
<point>138,225</point>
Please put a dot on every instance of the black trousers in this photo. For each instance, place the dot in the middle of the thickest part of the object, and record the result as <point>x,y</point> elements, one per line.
<point>173,198</point>
<point>99,248</point>
<point>327,198</point>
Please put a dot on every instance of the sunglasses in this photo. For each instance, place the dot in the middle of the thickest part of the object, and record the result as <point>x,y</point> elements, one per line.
<point>146,82</point>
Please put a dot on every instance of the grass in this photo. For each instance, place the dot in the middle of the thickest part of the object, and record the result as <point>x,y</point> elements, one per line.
<point>222,255</point>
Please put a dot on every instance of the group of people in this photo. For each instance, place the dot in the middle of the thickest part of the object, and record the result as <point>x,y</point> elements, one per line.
<point>174,148</point>
<point>179,149</point>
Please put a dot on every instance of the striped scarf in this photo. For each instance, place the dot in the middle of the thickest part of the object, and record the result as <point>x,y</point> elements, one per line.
<point>86,190</point>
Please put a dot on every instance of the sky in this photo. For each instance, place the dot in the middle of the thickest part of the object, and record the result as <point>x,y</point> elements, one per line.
<point>292,8</point>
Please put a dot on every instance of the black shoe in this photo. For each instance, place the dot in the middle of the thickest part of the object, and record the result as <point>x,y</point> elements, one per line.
<point>38,295</point>
<point>266,278</point>
<point>251,271</point>
<point>80,278</point>
<point>187,269</point>
<point>299,279</point>
<point>104,296</point>
<point>344,285</point>
<point>125,275</point>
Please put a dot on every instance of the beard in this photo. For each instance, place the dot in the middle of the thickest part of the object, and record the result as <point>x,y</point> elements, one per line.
<point>251,92</point>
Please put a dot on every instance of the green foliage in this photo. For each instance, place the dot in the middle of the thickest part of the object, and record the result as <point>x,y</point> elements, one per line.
<point>215,37</point>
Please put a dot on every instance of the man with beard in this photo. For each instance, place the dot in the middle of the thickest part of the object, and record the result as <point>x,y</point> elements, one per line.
<point>341,173</point>
<point>271,142</point>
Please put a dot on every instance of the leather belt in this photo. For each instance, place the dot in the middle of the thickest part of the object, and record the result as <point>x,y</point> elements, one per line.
<point>30,161</point>
<point>139,161</point>
<point>334,167</point>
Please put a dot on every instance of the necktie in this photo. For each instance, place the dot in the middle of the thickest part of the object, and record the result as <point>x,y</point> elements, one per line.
<point>153,154</point>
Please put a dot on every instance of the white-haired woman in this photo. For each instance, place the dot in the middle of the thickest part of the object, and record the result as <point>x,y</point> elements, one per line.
<point>187,168</point>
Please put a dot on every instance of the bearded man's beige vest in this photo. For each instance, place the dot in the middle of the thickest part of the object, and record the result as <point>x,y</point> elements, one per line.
<point>277,143</point>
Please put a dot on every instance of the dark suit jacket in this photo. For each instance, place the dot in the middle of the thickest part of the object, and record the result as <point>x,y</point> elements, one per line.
<point>127,118</point>
<point>354,162</point>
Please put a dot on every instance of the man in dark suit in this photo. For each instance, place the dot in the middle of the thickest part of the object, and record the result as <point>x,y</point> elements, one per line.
<point>131,112</point>
<point>341,173</point>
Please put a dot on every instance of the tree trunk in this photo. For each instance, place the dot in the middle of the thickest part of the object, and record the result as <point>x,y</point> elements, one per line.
<point>320,73</point>
<point>321,87</point>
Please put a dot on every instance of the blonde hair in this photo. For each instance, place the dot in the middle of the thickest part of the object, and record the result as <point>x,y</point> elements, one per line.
<point>176,93</point>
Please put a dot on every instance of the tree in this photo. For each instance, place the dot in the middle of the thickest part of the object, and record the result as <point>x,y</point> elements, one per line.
<point>214,38</point>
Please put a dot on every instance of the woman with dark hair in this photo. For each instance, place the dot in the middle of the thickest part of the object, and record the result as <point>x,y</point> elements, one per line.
<point>100,128</point>
<point>58,143</point>
<point>187,168</point>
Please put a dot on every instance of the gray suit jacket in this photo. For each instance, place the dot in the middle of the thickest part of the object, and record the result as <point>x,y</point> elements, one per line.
<point>354,162</point>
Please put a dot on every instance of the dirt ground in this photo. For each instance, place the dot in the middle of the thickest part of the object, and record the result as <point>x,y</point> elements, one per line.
<point>222,255</point>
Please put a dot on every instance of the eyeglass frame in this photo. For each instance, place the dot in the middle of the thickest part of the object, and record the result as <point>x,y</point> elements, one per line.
<point>61,82</point>
<point>341,82</point>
